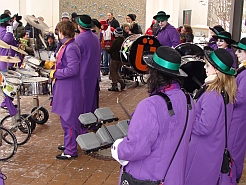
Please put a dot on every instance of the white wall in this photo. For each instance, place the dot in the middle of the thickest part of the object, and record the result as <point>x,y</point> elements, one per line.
<point>48,9</point>
<point>175,10</point>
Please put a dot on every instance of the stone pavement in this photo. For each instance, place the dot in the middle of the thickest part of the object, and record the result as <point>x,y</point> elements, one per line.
<point>35,164</point>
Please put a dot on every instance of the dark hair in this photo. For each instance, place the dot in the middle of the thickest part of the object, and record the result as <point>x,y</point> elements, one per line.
<point>66,28</point>
<point>23,33</point>
<point>158,79</point>
<point>188,29</point>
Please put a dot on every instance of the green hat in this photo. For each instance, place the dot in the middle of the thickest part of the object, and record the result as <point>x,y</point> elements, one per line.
<point>241,45</point>
<point>166,60</point>
<point>220,59</point>
<point>4,18</point>
<point>161,15</point>
<point>84,21</point>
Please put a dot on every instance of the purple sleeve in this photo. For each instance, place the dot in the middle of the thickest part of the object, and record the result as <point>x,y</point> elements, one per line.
<point>142,133</point>
<point>209,105</point>
<point>174,36</point>
<point>72,56</point>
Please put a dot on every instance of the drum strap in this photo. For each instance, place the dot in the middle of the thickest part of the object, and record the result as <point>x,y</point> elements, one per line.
<point>200,92</point>
<point>239,70</point>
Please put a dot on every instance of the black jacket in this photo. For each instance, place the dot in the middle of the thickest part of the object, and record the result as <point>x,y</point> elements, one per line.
<point>114,23</point>
<point>114,50</point>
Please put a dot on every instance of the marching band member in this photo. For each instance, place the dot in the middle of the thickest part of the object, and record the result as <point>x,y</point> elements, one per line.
<point>237,137</point>
<point>224,40</point>
<point>208,138</point>
<point>153,135</point>
<point>166,33</point>
<point>67,99</point>
<point>90,49</point>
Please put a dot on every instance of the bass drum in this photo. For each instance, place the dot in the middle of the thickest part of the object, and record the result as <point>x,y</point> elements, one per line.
<point>193,64</point>
<point>132,51</point>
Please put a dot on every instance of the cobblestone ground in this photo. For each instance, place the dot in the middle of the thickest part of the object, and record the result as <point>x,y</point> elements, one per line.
<point>35,162</point>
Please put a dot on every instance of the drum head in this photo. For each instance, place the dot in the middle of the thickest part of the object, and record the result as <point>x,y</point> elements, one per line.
<point>11,74</point>
<point>126,45</point>
<point>33,60</point>
<point>196,73</point>
<point>27,72</point>
<point>189,49</point>
<point>137,48</point>
<point>35,79</point>
<point>14,81</point>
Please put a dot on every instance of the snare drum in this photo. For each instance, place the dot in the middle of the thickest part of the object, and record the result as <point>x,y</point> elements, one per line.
<point>10,86</point>
<point>31,63</point>
<point>45,73</point>
<point>43,54</point>
<point>35,86</point>
<point>11,74</point>
<point>132,50</point>
<point>26,73</point>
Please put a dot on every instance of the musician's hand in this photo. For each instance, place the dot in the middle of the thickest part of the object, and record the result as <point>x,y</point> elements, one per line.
<point>52,73</point>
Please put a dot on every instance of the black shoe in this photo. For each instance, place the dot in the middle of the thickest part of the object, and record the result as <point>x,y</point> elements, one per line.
<point>63,156</point>
<point>113,89</point>
<point>122,86</point>
<point>104,73</point>
<point>61,147</point>
<point>6,108</point>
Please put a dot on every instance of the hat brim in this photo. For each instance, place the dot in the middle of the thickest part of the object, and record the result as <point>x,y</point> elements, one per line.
<point>166,16</point>
<point>207,53</point>
<point>230,41</point>
<point>147,58</point>
<point>213,30</point>
<point>77,21</point>
<point>235,45</point>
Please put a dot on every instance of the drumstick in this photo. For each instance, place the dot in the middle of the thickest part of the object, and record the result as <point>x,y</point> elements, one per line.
<point>41,38</point>
<point>128,115</point>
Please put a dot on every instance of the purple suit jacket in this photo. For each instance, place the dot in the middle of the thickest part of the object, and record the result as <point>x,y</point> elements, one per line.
<point>207,140</point>
<point>9,39</point>
<point>90,49</point>
<point>67,97</point>
<point>153,135</point>
<point>169,36</point>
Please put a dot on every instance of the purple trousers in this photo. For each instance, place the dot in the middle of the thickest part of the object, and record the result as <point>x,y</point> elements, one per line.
<point>71,131</point>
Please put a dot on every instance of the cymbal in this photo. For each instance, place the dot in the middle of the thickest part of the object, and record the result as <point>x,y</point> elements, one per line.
<point>18,50</point>
<point>9,59</point>
<point>35,22</point>
<point>4,45</point>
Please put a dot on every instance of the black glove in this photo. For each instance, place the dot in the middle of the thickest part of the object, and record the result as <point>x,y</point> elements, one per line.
<point>18,18</point>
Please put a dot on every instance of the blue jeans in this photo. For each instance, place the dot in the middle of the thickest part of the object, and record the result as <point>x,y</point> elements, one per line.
<point>106,61</point>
